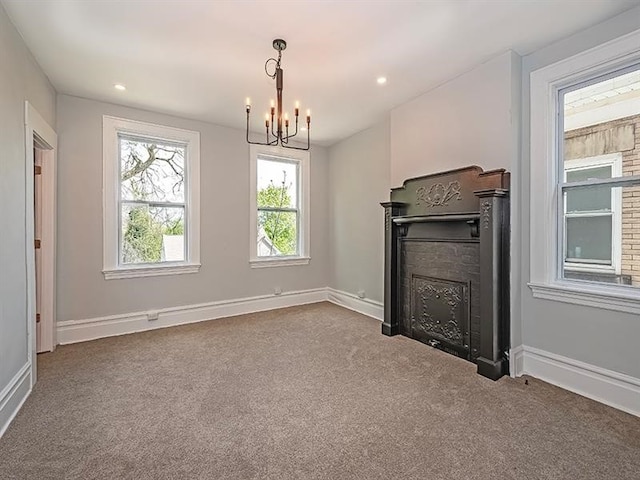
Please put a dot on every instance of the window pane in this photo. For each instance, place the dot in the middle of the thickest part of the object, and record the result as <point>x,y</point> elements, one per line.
<point>152,234</point>
<point>277,184</point>
<point>151,171</point>
<point>589,239</point>
<point>592,173</point>
<point>606,248</point>
<point>590,199</point>
<point>277,233</point>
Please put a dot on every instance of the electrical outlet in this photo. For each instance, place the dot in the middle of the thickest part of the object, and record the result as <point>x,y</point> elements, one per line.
<point>361,294</point>
<point>152,315</point>
<point>277,291</point>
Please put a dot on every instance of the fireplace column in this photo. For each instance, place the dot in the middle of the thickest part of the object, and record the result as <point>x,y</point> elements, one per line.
<point>493,282</point>
<point>391,325</point>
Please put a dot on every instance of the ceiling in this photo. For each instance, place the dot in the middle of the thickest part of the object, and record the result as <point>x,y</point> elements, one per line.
<point>200,59</point>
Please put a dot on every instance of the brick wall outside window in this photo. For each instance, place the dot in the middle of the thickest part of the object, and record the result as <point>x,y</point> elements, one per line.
<point>622,135</point>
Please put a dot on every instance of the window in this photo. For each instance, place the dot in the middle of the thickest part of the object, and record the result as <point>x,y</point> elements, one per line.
<point>151,199</point>
<point>585,178</point>
<point>592,219</point>
<point>279,207</point>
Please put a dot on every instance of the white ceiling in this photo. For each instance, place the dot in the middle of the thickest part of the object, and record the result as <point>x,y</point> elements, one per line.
<point>200,59</point>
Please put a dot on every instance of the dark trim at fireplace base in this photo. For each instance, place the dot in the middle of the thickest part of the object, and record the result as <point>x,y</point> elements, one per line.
<point>390,330</point>
<point>490,369</point>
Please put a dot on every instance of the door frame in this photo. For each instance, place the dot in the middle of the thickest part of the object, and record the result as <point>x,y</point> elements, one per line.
<point>40,133</point>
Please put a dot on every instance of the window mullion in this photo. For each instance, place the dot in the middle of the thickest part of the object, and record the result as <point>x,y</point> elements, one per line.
<point>155,204</point>
<point>277,209</point>
<point>608,213</point>
<point>627,181</point>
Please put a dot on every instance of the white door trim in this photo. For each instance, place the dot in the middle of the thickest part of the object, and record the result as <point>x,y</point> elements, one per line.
<point>38,130</point>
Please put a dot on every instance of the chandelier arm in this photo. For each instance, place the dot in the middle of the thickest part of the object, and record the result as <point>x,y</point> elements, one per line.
<point>296,148</point>
<point>301,148</point>
<point>294,133</point>
<point>258,143</point>
<point>250,141</point>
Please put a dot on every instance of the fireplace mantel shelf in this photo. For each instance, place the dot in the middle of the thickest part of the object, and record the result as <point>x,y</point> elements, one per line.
<point>436,218</point>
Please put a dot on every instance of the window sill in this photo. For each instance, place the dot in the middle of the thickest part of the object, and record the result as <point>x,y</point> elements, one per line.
<point>278,262</point>
<point>621,299</point>
<point>150,271</point>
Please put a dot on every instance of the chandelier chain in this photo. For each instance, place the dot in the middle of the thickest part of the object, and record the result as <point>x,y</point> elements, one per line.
<point>277,62</point>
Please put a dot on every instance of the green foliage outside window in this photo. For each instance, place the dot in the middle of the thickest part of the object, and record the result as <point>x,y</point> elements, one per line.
<point>143,236</point>
<point>280,227</point>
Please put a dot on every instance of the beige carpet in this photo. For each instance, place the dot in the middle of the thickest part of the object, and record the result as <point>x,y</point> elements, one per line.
<point>313,392</point>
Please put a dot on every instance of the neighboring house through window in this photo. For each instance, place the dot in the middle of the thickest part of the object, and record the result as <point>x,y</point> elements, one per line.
<point>151,199</point>
<point>279,206</point>
<point>592,219</point>
<point>585,178</point>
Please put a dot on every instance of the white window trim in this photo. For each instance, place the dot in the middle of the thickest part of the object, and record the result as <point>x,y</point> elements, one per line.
<point>613,160</point>
<point>304,193</point>
<point>545,257</point>
<point>111,127</point>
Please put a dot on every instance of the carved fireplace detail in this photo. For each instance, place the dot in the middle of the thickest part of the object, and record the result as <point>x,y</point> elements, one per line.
<point>446,265</point>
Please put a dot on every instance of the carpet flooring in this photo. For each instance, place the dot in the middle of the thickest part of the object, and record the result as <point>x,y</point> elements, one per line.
<point>311,392</point>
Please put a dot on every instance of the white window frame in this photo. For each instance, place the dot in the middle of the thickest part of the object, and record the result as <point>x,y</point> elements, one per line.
<point>547,140</point>
<point>613,160</point>
<point>111,128</point>
<point>286,155</point>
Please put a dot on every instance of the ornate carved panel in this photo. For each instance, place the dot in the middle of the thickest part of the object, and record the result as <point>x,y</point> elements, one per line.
<point>440,309</point>
<point>486,213</point>
<point>438,195</point>
<point>448,192</point>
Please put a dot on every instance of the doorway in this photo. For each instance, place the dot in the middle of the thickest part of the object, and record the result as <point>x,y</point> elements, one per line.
<point>41,145</point>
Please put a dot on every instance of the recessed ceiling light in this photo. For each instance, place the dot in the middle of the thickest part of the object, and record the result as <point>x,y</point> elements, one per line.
<point>119,86</point>
<point>381,80</point>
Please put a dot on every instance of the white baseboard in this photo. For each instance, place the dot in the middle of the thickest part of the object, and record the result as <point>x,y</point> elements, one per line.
<point>13,396</point>
<point>516,359</point>
<point>606,386</point>
<point>365,306</point>
<point>73,331</point>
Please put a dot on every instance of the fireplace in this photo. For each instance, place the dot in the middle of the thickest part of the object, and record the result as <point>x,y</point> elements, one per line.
<point>446,265</point>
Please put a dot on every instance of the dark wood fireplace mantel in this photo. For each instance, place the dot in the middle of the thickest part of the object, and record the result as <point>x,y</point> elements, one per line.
<point>446,265</point>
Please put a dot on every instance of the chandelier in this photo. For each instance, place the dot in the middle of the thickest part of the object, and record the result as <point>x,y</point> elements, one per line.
<point>278,125</point>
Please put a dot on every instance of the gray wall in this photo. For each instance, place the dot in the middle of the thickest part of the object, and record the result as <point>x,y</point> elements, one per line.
<point>20,79</point>
<point>225,273</point>
<point>466,121</point>
<point>359,181</point>
<point>599,337</point>
<point>470,120</point>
